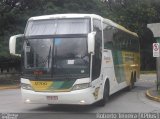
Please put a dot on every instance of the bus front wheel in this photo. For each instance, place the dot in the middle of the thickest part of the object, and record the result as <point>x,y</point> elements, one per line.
<point>105,94</point>
<point>131,86</point>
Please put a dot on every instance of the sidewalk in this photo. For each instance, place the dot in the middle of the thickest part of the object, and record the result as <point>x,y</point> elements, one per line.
<point>3,87</point>
<point>153,95</point>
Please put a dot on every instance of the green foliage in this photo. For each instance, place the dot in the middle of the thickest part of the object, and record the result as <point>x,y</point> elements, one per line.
<point>15,13</point>
<point>133,14</point>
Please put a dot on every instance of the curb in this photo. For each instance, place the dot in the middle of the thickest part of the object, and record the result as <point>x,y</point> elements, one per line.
<point>148,94</point>
<point>9,87</point>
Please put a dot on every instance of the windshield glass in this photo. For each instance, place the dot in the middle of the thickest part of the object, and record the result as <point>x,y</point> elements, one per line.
<point>61,56</point>
<point>57,26</point>
<point>70,56</point>
<point>38,53</point>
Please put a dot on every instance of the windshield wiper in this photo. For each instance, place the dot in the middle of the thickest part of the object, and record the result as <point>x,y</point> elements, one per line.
<point>49,56</point>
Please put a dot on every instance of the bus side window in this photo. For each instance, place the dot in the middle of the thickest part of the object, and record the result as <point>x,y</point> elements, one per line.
<point>117,39</point>
<point>135,44</point>
<point>108,36</point>
<point>97,57</point>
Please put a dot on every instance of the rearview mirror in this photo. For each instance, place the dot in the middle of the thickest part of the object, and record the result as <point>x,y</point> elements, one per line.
<point>12,44</point>
<point>91,42</point>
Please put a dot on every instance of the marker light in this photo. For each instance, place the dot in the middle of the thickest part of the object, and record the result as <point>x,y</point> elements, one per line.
<point>82,101</point>
<point>28,101</point>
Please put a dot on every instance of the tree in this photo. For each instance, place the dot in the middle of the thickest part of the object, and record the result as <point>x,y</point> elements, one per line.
<point>133,14</point>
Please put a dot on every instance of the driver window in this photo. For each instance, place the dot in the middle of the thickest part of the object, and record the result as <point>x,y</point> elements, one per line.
<point>97,57</point>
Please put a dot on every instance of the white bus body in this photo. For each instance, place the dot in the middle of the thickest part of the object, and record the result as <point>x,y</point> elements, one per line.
<point>76,59</point>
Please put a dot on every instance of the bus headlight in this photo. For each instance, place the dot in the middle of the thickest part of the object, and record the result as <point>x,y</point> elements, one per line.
<point>81,86</point>
<point>26,86</point>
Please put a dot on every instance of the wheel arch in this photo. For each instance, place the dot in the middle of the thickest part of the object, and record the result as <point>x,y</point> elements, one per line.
<point>107,81</point>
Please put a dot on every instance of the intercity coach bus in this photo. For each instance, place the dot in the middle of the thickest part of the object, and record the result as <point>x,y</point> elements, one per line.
<point>76,59</point>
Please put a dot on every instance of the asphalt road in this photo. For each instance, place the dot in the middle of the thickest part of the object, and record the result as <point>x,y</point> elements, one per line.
<point>133,101</point>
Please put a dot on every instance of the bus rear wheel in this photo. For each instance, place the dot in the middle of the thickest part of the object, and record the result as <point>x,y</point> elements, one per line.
<point>131,86</point>
<point>105,95</point>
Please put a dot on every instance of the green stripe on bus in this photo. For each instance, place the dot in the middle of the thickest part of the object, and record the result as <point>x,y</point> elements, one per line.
<point>57,85</point>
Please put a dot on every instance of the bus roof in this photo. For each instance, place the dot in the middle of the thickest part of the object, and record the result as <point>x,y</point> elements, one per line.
<point>54,16</point>
<point>78,15</point>
<point>119,27</point>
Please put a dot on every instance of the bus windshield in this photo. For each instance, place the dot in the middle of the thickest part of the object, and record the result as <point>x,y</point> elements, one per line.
<point>59,55</point>
<point>58,26</point>
<point>38,53</point>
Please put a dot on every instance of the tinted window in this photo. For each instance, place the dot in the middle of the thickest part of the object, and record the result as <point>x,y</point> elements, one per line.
<point>98,47</point>
<point>125,41</point>
<point>108,32</point>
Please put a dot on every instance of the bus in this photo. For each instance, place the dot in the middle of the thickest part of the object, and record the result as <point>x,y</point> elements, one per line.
<point>78,59</point>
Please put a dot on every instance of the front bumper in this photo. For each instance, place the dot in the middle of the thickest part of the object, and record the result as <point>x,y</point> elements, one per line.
<point>77,97</point>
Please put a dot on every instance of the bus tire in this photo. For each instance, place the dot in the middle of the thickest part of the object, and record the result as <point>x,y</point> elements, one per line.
<point>131,85</point>
<point>105,94</point>
<point>135,77</point>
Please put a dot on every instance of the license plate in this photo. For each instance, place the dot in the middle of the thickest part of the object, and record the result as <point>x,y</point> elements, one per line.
<point>52,97</point>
